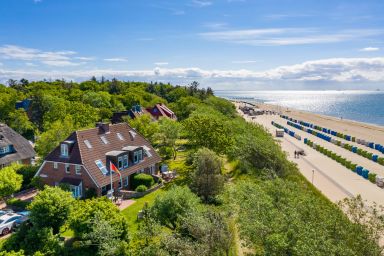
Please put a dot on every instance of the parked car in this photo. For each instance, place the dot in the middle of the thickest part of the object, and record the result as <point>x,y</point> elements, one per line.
<point>7,221</point>
<point>18,222</point>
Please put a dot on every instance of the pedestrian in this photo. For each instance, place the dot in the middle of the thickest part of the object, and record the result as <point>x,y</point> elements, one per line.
<point>295,153</point>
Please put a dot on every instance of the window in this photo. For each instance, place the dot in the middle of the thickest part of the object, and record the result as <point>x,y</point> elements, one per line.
<point>4,150</point>
<point>104,139</point>
<point>88,144</point>
<point>78,169</point>
<point>120,136</point>
<point>67,169</point>
<point>137,156</point>
<point>125,161</point>
<point>76,190</point>
<point>120,162</point>
<point>126,181</point>
<point>101,167</point>
<point>55,165</point>
<point>120,184</point>
<point>152,169</point>
<point>64,150</point>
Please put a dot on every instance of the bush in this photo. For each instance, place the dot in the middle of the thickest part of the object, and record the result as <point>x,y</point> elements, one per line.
<point>141,188</point>
<point>143,179</point>
<point>372,177</point>
<point>17,203</point>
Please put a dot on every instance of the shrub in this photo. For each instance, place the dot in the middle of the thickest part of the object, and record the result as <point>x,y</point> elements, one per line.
<point>372,177</point>
<point>141,188</point>
<point>15,202</point>
<point>143,179</point>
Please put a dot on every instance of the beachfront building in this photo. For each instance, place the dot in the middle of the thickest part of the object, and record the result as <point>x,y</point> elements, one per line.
<point>83,160</point>
<point>161,110</point>
<point>14,148</point>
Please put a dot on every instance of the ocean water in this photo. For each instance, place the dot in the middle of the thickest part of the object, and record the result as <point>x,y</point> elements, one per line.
<point>362,106</point>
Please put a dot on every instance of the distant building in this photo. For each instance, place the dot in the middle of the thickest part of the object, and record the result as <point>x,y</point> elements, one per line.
<point>14,148</point>
<point>161,110</point>
<point>83,159</point>
<point>135,111</point>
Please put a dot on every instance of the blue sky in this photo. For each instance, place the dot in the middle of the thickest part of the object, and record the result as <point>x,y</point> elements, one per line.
<point>225,44</point>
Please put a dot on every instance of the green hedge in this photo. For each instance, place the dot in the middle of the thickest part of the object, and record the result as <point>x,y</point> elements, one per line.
<point>372,177</point>
<point>143,179</point>
<point>15,202</point>
<point>141,188</point>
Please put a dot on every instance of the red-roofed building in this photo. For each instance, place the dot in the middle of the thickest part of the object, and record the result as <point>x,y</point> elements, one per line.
<point>83,159</point>
<point>161,110</point>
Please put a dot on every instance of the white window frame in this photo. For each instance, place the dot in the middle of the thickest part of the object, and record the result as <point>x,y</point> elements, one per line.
<point>55,165</point>
<point>126,181</point>
<point>64,149</point>
<point>101,167</point>
<point>67,167</point>
<point>5,150</point>
<point>120,160</point>
<point>78,169</point>
<point>137,156</point>
<point>104,139</point>
<point>120,136</point>
<point>88,144</point>
<point>125,161</point>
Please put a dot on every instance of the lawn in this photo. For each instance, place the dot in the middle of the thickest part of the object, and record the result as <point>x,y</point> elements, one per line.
<point>131,212</point>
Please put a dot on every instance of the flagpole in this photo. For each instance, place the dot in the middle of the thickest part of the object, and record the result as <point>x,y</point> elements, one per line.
<point>110,174</point>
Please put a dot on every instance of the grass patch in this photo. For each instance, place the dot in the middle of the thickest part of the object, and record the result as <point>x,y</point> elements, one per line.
<point>131,212</point>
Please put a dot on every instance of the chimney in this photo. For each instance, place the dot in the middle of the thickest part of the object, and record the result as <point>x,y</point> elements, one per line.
<point>103,127</point>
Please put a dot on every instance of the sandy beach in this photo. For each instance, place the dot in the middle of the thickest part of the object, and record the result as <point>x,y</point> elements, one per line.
<point>331,178</point>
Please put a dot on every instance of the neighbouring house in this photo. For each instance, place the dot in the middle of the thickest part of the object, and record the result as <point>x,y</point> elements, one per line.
<point>161,110</point>
<point>135,111</point>
<point>25,104</point>
<point>14,148</point>
<point>83,159</point>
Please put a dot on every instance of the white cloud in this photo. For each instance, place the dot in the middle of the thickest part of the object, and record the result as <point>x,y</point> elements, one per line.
<point>30,64</point>
<point>337,70</point>
<point>54,58</point>
<point>244,61</point>
<point>201,3</point>
<point>84,58</point>
<point>161,63</point>
<point>369,49</point>
<point>217,25</point>
<point>288,36</point>
<point>118,59</point>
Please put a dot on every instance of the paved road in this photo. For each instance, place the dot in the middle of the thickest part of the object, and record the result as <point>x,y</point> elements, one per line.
<point>332,179</point>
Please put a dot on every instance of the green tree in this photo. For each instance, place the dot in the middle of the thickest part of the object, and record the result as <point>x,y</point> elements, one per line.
<point>169,208</point>
<point>51,208</point>
<point>168,133</point>
<point>207,181</point>
<point>145,126</point>
<point>19,121</point>
<point>209,130</point>
<point>102,239</point>
<point>10,181</point>
<point>86,210</point>
<point>58,131</point>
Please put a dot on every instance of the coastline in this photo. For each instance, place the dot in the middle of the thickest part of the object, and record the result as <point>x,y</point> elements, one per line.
<point>362,130</point>
<point>334,180</point>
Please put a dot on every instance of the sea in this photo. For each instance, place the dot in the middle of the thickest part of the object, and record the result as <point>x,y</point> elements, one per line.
<point>361,106</point>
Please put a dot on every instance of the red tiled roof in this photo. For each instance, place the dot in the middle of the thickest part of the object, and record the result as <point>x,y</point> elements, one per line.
<point>81,154</point>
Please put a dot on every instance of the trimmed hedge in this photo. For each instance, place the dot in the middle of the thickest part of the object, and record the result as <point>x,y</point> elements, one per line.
<point>143,179</point>
<point>141,188</point>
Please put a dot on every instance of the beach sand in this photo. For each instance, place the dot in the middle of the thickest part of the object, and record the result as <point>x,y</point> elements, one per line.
<point>331,178</point>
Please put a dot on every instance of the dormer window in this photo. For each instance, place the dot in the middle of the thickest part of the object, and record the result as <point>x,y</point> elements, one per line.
<point>64,150</point>
<point>5,150</point>
<point>137,156</point>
